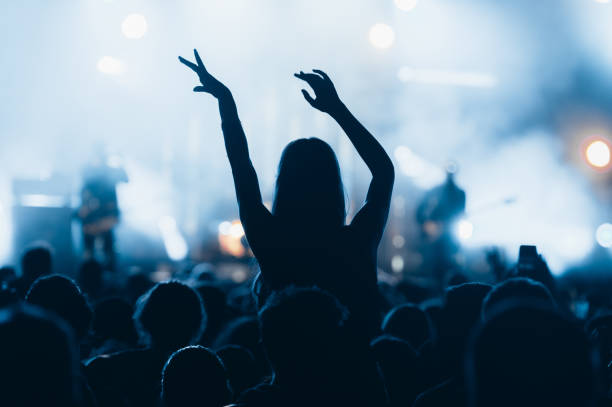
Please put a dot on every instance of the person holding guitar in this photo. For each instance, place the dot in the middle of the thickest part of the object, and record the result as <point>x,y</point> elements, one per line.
<point>99,209</point>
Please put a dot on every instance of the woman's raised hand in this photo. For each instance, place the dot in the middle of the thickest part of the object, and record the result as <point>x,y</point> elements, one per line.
<point>326,98</point>
<point>210,84</point>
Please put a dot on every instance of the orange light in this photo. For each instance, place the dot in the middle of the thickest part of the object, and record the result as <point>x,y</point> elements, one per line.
<point>230,238</point>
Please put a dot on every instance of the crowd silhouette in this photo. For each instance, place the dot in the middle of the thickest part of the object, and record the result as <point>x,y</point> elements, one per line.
<point>315,327</point>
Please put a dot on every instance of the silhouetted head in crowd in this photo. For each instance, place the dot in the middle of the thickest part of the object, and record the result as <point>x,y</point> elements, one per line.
<point>36,262</point>
<point>138,283</point>
<point>457,279</point>
<point>530,356</point>
<point>90,277</point>
<point>60,295</point>
<point>8,293</point>
<point>244,331</point>
<point>7,274</point>
<point>516,290</point>
<point>408,322</point>
<point>38,359</point>
<point>301,330</point>
<point>460,314</point>
<point>240,366</point>
<point>309,186</point>
<point>170,316</point>
<point>194,376</point>
<point>112,320</point>
<point>214,300</point>
<point>433,309</point>
<point>203,272</point>
<point>398,362</point>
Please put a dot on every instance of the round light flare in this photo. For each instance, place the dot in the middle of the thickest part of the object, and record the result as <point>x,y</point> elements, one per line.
<point>134,26</point>
<point>398,241</point>
<point>597,153</point>
<point>464,229</point>
<point>110,66</point>
<point>604,235</point>
<point>381,36</point>
<point>397,264</point>
<point>406,5</point>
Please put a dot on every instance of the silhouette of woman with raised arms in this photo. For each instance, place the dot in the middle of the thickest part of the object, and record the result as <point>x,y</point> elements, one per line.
<point>304,240</point>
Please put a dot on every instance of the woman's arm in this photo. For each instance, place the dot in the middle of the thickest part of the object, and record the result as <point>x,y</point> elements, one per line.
<point>373,216</point>
<point>245,177</point>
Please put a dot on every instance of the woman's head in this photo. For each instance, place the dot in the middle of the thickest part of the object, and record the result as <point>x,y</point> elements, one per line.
<point>309,187</point>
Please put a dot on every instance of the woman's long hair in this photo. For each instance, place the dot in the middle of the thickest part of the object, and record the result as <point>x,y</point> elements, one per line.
<point>309,190</point>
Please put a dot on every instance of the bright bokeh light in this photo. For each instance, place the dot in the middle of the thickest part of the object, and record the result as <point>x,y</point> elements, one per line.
<point>239,276</point>
<point>110,66</point>
<point>602,1</point>
<point>604,235</point>
<point>397,264</point>
<point>174,242</point>
<point>381,36</point>
<point>598,154</point>
<point>236,230</point>
<point>225,227</point>
<point>134,26</point>
<point>398,241</point>
<point>406,5</point>
<point>230,238</point>
<point>464,229</point>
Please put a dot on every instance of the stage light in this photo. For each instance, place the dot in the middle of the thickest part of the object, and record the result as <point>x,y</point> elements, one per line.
<point>110,65</point>
<point>406,5</point>
<point>397,264</point>
<point>134,26</point>
<point>464,229</point>
<point>43,201</point>
<point>604,235</point>
<point>381,36</point>
<point>598,153</point>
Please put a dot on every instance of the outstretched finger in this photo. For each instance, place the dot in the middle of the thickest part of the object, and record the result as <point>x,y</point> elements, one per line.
<point>308,98</point>
<point>190,64</point>
<point>323,74</point>
<point>200,89</point>
<point>308,77</point>
<point>198,59</point>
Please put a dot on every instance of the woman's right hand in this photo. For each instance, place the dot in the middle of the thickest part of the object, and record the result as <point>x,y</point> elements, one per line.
<point>326,97</point>
<point>210,84</point>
